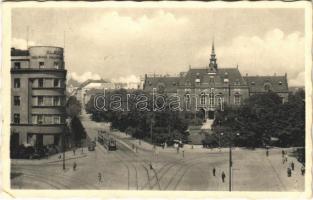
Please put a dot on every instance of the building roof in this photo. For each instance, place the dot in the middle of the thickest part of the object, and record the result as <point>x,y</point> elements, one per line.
<point>170,84</point>
<point>257,84</point>
<point>230,76</point>
<point>19,52</point>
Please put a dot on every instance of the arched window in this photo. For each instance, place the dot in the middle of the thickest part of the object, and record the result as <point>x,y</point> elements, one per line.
<point>187,100</point>
<point>161,88</point>
<point>211,99</point>
<point>237,99</point>
<point>202,99</point>
<point>267,87</point>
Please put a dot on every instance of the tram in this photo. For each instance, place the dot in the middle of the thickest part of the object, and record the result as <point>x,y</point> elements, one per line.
<point>106,140</point>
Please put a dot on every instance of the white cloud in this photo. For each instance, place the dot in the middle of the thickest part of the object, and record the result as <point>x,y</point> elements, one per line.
<point>112,25</point>
<point>275,52</point>
<point>298,81</point>
<point>83,77</point>
<point>19,43</point>
<point>127,79</point>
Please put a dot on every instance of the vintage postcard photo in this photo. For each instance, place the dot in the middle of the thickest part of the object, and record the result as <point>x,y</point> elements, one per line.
<point>158,97</point>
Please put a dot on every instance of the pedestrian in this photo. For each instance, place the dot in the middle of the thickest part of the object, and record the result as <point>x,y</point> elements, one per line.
<point>74,151</point>
<point>288,172</point>
<point>151,166</point>
<point>302,170</point>
<point>60,156</point>
<point>214,170</point>
<point>267,152</point>
<point>99,177</point>
<point>74,166</point>
<point>282,153</point>
<point>183,153</point>
<point>223,177</point>
<point>292,166</point>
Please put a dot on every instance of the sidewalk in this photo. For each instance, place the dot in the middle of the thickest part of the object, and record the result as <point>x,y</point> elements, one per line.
<point>143,145</point>
<point>51,159</point>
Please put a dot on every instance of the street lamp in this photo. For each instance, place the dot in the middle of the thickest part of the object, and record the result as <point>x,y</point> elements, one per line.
<point>219,139</point>
<point>231,163</point>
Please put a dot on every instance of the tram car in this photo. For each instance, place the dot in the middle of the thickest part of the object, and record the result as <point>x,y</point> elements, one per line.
<point>108,142</point>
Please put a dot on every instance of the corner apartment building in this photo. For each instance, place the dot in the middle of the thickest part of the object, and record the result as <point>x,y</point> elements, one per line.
<point>38,85</point>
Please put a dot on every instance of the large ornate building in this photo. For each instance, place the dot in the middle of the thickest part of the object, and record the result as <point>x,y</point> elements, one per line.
<point>208,89</point>
<point>37,96</point>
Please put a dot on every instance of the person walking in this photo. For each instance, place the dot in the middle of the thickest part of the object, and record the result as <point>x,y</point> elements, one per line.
<point>74,151</point>
<point>282,153</point>
<point>99,177</point>
<point>223,177</point>
<point>214,170</point>
<point>267,152</point>
<point>74,166</point>
<point>288,172</point>
<point>292,166</point>
<point>302,170</point>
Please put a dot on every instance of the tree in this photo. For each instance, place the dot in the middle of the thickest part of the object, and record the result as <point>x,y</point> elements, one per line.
<point>263,117</point>
<point>137,122</point>
<point>73,107</point>
<point>78,130</point>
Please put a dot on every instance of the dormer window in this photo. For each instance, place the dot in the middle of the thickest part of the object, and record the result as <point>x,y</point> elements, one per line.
<point>280,83</point>
<point>252,83</point>
<point>226,80</point>
<point>197,80</point>
<point>237,82</point>
<point>267,87</point>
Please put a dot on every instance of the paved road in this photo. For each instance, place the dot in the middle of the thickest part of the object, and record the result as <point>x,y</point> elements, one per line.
<point>128,169</point>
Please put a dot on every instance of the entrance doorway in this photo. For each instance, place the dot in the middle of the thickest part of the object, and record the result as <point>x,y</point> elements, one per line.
<point>201,114</point>
<point>211,114</point>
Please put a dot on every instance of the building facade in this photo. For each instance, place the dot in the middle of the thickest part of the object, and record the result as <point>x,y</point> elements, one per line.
<point>38,86</point>
<point>208,89</point>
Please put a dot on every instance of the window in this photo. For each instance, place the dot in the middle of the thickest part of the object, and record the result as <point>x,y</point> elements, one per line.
<point>211,99</point>
<point>16,118</point>
<point>202,99</point>
<point>40,119</point>
<point>56,119</point>
<point>280,83</point>
<point>56,65</point>
<point>252,83</point>
<point>56,83</point>
<point>40,101</point>
<point>41,65</point>
<point>267,87</point>
<point>17,83</point>
<point>17,65</point>
<point>17,100</point>
<point>211,79</point>
<point>56,101</point>
<point>34,119</point>
<point>187,100</point>
<point>40,82</point>
<point>237,99</point>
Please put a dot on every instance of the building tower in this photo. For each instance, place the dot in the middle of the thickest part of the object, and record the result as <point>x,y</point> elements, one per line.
<point>37,96</point>
<point>213,63</point>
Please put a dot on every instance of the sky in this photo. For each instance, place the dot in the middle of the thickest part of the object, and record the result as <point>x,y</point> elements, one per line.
<point>122,44</point>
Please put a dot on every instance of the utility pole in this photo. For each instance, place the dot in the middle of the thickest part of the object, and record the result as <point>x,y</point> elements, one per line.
<point>151,131</point>
<point>63,146</point>
<point>230,166</point>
